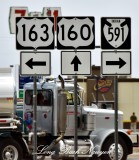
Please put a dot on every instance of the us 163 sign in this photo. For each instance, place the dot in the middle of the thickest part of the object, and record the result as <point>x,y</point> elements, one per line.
<point>34,33</point>
<point>115,33</point>
<point>75,33</point>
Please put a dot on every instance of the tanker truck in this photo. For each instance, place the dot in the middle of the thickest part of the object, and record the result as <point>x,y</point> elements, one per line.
<point>55,127</point>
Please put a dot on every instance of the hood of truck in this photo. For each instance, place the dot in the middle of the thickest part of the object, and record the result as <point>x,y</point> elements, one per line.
<point>104,118</point>
<point>89,109</point>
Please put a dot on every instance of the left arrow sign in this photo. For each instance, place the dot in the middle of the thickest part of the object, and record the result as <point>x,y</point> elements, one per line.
<point>32,63</point>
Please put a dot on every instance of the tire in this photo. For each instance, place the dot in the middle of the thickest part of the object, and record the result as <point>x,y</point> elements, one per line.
<point>109,147</point>
<point>10,149</point>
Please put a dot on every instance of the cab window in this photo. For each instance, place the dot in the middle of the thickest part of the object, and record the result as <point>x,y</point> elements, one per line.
<point>44,97</point>
<point>70,98</point>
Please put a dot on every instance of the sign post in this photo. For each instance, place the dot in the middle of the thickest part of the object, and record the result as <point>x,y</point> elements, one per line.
<point>116,34</point>
<point>35,117</point>
<point>116,115</point>
<point>75,33</point>
<point>75,63</point>
<point>35,33</point>
<point>75,119</point>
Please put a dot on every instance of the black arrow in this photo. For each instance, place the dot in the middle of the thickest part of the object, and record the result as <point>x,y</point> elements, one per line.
<point>121,63</point>
<point>76,61</point>
<point>32,63</point>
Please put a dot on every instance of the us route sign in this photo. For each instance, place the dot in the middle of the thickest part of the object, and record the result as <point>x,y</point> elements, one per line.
<point>116,63</point>
<point>35,63</point>
<point>76,63</point>
<point>75,33</point>
<point>34,33</point>
<point>116,33</point>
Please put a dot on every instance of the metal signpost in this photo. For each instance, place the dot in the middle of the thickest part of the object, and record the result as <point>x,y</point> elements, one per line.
<point>35,117</point>
<point>116,34</point>
<point>75,33</point>
<point>35,63</point>
<point>75,119</point>
<point>35,33</point>
<point>75,63</point>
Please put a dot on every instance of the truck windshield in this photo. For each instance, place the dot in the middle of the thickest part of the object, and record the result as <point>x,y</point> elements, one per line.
<point>70,98</point>
<point>44,97</point>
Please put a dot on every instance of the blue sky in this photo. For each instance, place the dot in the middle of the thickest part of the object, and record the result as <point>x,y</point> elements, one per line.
<point>97,8</point>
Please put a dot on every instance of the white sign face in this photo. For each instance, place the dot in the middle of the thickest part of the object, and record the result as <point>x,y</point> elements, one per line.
<point>35,33</point>
<point>35,63</point>
<point>75,33</point>
<point>76,63</point>
<point>116,63</point>
<point>16,12</point>
<point>115,33</point>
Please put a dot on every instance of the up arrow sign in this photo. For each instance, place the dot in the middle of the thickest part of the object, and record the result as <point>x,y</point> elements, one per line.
<point>76,62</point>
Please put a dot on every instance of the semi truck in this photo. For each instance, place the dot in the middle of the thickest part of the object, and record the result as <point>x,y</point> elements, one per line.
<point>55,126</point>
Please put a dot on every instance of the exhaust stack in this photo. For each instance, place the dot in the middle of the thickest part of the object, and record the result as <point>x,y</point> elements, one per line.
<point>62,109</point>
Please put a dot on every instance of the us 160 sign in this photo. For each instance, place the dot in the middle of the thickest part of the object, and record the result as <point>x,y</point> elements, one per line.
<point>115,33</point>
<point>34,33</point>
<point>75,33</point>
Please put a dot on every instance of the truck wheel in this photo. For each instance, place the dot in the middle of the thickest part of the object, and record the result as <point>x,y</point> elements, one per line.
<point>108,150</point>
<point>10,150</point>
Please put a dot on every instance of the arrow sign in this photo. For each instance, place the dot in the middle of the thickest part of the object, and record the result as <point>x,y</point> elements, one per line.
<point>76,61</point>
<point>116,62</point>
<point>32,63</point>
<point>28,61</point>
<point>120,63</point>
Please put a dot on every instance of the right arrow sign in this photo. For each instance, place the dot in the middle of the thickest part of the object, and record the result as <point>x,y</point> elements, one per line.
<point>120,63</point>
<point>116,63</point>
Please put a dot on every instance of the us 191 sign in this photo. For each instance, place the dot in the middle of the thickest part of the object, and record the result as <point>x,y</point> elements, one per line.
<point>34,33</point>
<point>75,33</point>
<point>115,33</point>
